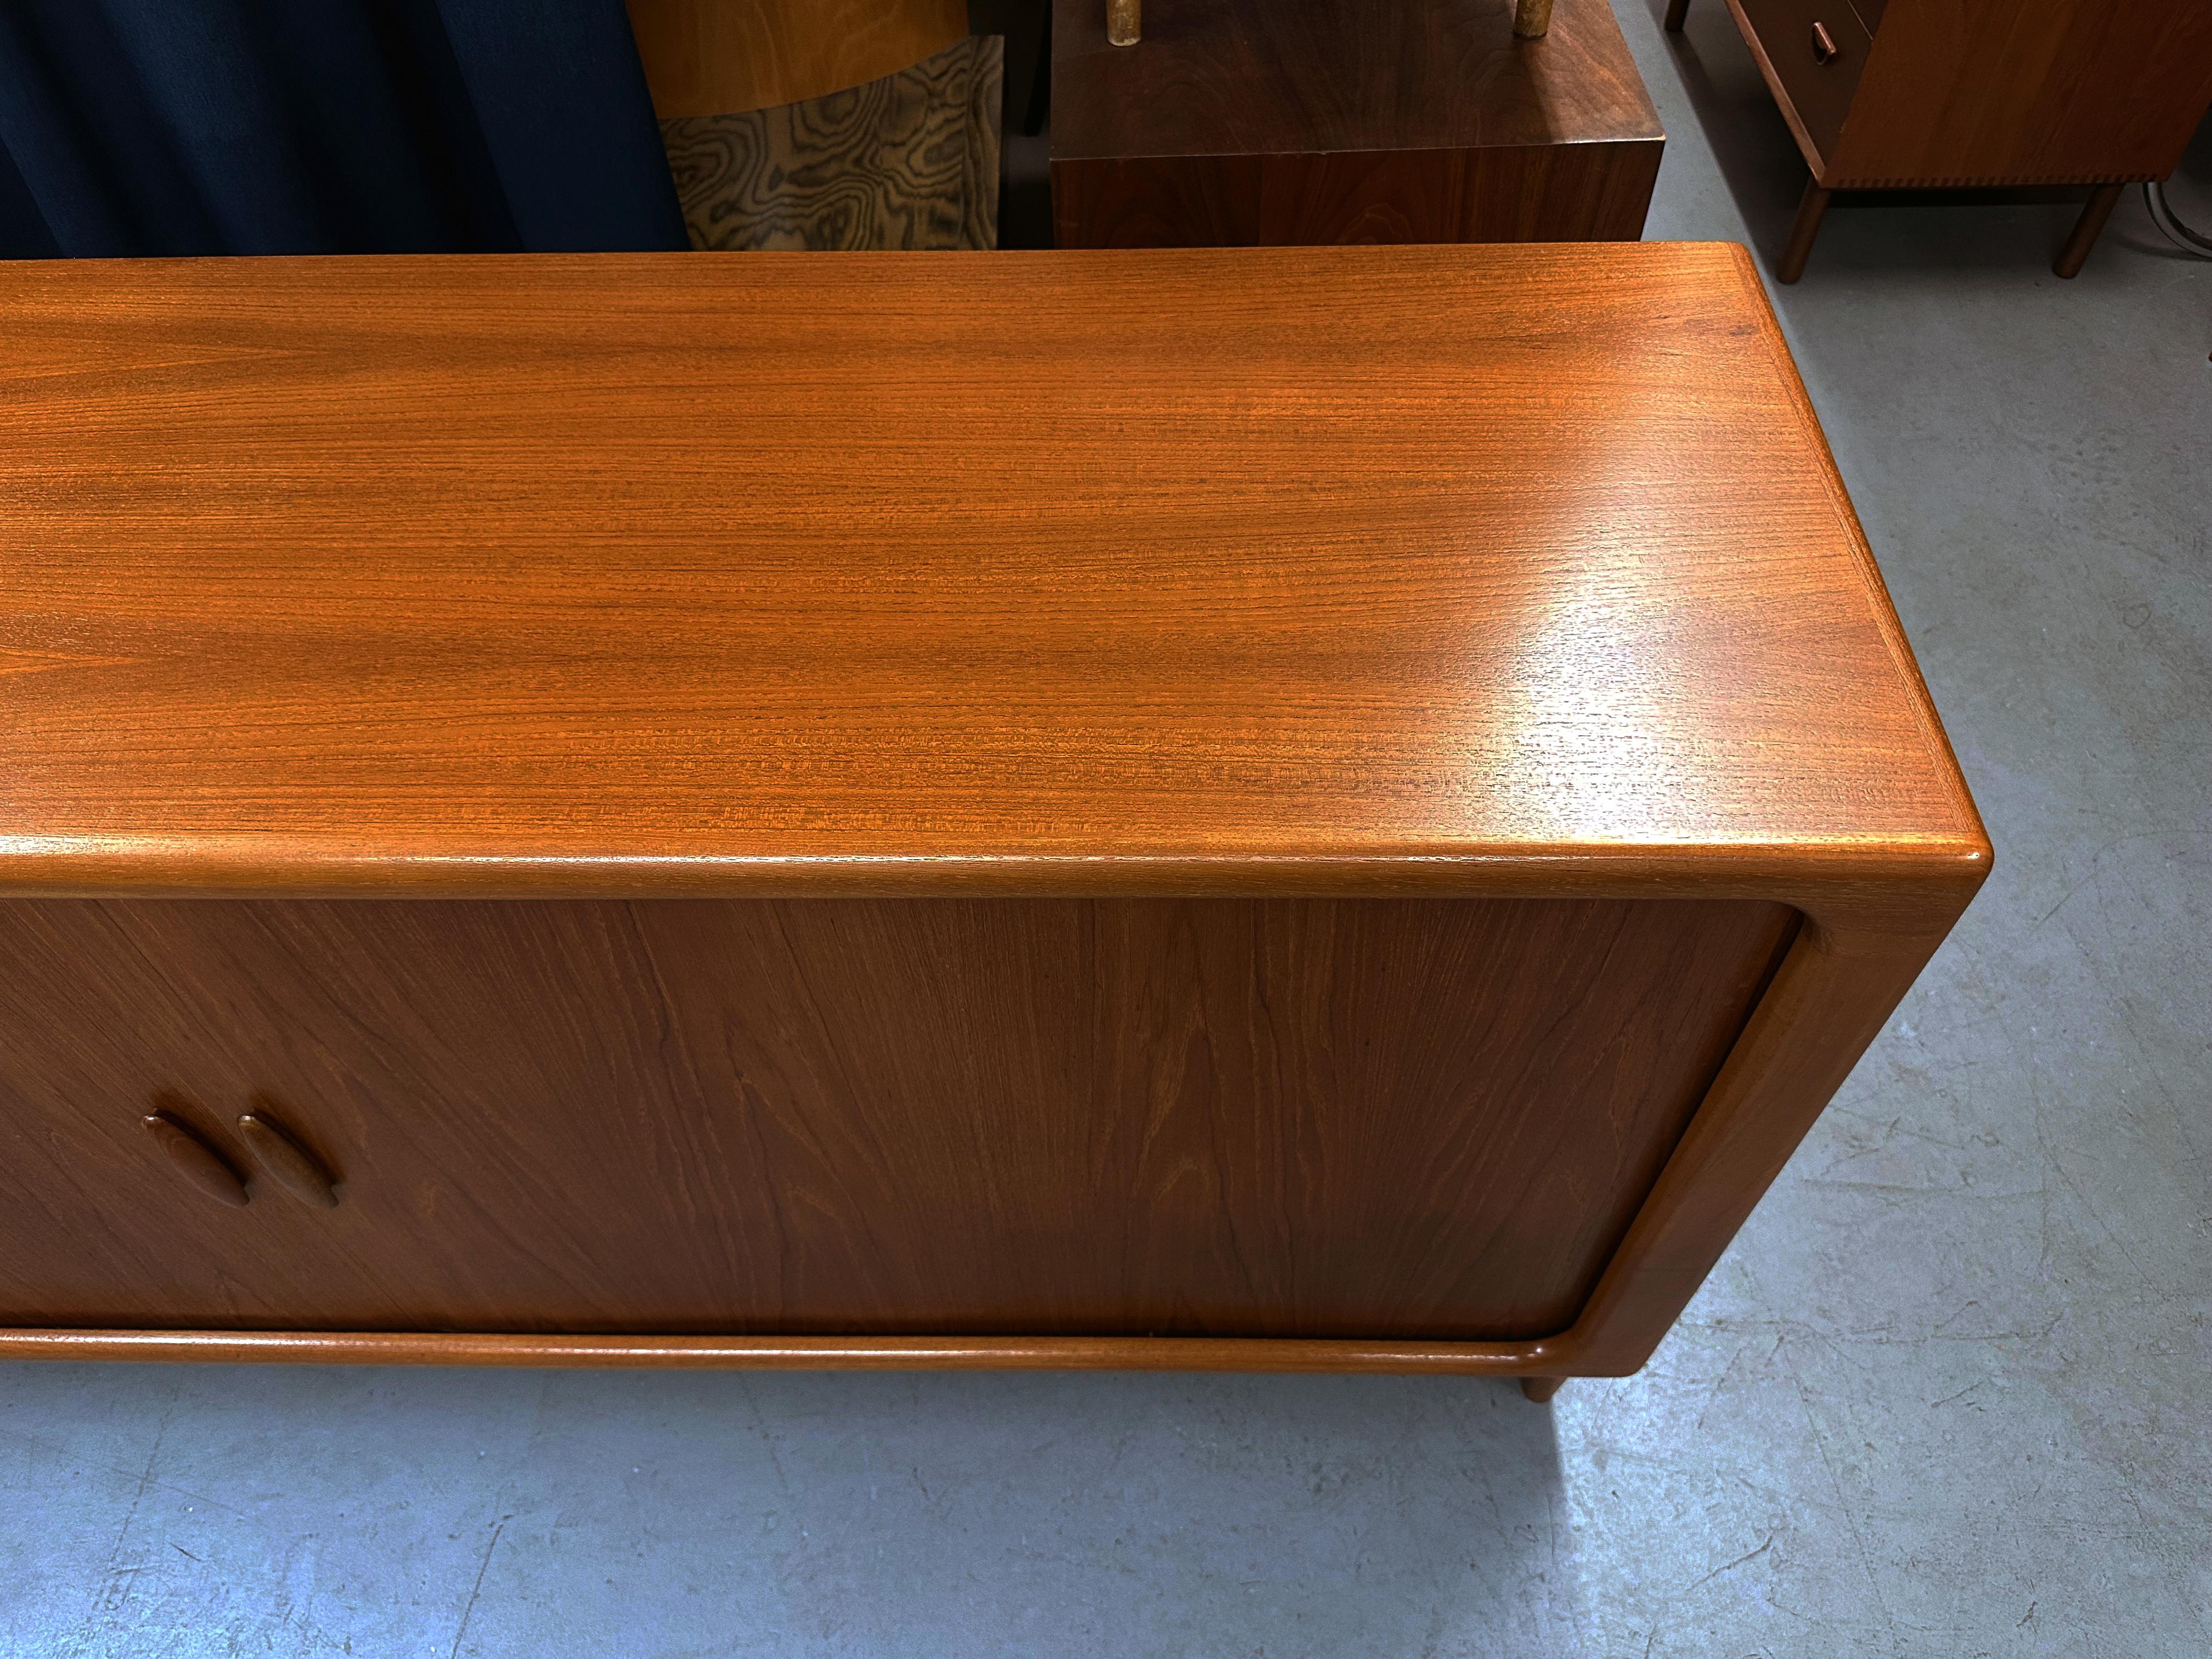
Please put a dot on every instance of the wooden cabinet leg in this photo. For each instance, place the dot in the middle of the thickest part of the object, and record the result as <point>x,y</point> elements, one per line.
<point>1676,11</point>
<point>1811,208</point>
<point>2087,228</point>
<point>1541,1388</point>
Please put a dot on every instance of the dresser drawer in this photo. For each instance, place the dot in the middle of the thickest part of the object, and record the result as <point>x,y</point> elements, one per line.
<point>1816,49</point>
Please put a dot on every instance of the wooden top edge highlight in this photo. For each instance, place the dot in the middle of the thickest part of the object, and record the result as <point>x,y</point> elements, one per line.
<point>1281,569</point>
<point>241,867</point>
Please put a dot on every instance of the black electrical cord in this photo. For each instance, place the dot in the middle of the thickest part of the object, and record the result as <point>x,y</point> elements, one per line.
<point>2177,232</point>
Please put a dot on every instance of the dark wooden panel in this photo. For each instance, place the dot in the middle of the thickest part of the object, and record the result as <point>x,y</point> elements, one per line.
<point>1301,570</point>
<point>1253,77</point>
<point>1548,193</point>
<point>1967,92</point>
<point>1277,123</point>
<point>1313,1118</point>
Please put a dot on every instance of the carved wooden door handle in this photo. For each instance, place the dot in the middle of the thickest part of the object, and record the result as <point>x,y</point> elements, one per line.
<point>288,1164</point>
<point>196,1161</point>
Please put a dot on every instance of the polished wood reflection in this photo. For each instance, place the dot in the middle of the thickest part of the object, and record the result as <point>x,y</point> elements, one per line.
<point>1279,808</point>
<point>1318,569</point>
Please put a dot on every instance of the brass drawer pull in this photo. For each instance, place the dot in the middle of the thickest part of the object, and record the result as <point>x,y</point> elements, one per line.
<point>196,1161</point>
<point>288,1162</point>
<point>1824,50</point>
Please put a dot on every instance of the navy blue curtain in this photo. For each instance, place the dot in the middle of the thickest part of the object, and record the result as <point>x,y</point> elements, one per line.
<point>326,126</point>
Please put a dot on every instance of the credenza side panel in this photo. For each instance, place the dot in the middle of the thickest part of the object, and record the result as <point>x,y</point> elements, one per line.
<point>1308,1117</point>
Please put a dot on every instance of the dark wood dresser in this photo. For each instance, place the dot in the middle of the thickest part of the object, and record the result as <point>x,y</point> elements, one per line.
<point>909,809</point>
<point>1244,122</point>
<point>1887,95</point>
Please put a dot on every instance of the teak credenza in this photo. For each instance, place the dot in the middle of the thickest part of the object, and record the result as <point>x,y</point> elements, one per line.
<point>1275,809</point>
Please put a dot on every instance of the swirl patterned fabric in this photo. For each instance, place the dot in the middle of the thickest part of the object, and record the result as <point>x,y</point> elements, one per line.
<point>908,161</point>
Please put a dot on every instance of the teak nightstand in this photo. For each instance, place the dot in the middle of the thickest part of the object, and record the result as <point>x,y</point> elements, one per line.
<point>1272,122</point>
<point>1291,809</point>
<point>1902,94</point>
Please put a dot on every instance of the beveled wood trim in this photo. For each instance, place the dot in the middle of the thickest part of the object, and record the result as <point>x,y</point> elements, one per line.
<point>277,866</point>
<point>969,1353</point>
<point>1836,986</point>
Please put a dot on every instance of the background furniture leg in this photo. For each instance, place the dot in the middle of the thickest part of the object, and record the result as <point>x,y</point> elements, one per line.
<point>1676,11</point>
<point>2087,228</point>
<point>1541,1388</point>
<point>1811,208</point>
<point>1531,18</point>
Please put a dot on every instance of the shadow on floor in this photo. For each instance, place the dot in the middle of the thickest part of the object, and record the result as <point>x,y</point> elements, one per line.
<point>663,1513</point>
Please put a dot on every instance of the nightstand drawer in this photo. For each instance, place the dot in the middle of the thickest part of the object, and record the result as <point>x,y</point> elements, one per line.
<point>1816,49</point>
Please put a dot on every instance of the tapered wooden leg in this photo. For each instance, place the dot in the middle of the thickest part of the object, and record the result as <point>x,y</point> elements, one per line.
<point>1541,1388</point>
<point>2086,229</point>
<point>1676,11</point>
<point>1811,208</point>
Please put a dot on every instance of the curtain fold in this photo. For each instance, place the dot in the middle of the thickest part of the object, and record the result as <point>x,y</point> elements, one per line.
<point>152,127</point>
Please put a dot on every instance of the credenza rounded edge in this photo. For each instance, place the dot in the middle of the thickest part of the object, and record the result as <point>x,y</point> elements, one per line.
<point>1055,1353</point>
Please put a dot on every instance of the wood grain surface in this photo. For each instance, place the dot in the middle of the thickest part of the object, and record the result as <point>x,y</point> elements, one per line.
<point>1316,1118</point>
<point>720,57</point>
<point>1265,123</point>
<point>1304,570</point>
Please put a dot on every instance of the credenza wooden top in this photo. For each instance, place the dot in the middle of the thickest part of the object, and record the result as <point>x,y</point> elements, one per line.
<point>1282,570</point>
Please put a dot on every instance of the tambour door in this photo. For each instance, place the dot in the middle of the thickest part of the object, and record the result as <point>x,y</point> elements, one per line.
<point>1353,1117</point>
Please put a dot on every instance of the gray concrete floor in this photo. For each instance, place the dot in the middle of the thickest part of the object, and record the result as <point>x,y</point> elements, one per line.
<point>1948,1396</point>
